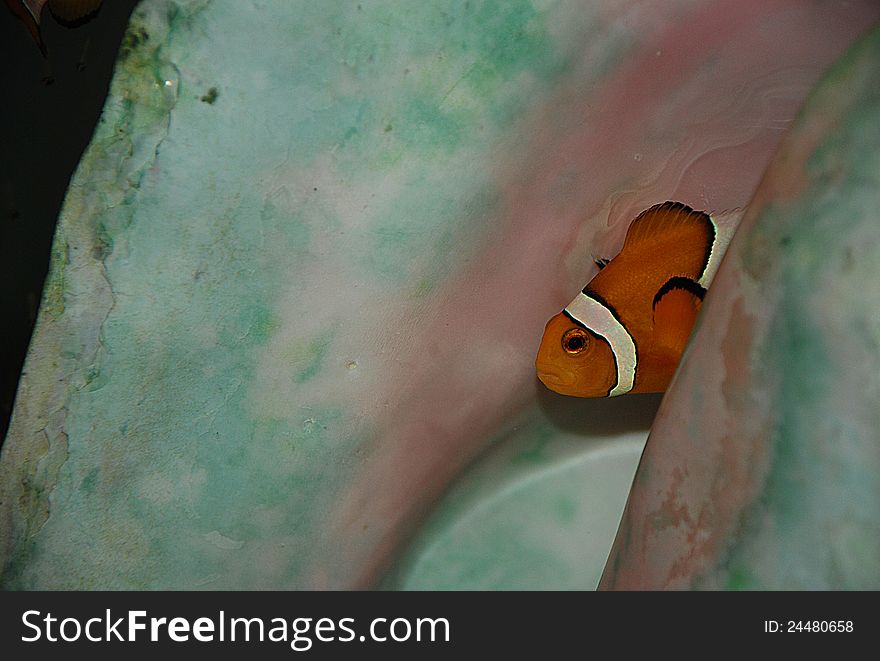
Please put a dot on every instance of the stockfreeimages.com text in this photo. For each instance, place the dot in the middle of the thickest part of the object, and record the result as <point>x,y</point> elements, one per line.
<point>301,632</point>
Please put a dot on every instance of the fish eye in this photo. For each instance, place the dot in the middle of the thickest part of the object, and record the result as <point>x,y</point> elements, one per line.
<point>575,340</point>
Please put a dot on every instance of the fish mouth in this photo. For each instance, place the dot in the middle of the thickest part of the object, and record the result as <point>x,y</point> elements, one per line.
<point>554,380</point>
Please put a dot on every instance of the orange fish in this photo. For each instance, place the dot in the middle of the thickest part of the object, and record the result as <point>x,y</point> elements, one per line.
<point>626,331</point>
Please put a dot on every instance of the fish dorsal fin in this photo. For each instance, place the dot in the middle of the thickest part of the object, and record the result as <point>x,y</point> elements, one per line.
<point>671,222</point>
<point>676,306</point>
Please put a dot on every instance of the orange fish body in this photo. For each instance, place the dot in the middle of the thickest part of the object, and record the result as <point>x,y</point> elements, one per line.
<point>626,331</point>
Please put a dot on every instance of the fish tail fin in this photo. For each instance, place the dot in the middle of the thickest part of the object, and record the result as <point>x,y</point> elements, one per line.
<point>73,13</point>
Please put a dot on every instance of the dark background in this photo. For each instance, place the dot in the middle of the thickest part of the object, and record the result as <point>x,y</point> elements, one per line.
<point>48,113</point>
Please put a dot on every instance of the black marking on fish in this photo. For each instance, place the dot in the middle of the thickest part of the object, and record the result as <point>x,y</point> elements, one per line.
<point>679,282</point>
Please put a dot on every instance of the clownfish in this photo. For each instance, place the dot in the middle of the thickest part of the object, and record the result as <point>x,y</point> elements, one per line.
<point>627,329</point>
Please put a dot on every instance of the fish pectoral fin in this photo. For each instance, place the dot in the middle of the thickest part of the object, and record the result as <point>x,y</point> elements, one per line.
<point>676,306</point>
